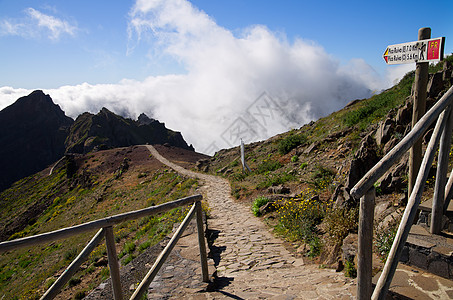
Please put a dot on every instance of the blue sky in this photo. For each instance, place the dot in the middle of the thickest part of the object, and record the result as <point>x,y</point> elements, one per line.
<point>181,59</point>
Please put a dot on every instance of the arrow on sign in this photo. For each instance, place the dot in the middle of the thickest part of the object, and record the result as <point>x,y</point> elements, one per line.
<point>386,55</point>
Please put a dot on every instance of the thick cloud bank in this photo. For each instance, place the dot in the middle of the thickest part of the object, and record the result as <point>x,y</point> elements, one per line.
<point>250,85</point>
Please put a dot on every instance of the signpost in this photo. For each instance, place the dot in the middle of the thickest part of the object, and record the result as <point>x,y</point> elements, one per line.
<point>421,52</point>
<point>431,50</point>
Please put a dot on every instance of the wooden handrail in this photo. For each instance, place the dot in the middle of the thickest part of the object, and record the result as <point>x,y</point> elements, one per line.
<point>93,225</point>
<point>403,146</point>
<point>410,212</point>
<point>107,232</point>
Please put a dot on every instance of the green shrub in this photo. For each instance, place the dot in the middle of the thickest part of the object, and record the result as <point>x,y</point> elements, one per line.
<point>297,220</point>
<point>260,201</point>
<point>70,254</point>
<point>295,158</point>
<point>128,259</point>
<point>322,177</point>
<point>339,222</point>
<point>144,246</point>
<point>80,295</point>
<point>277,179</point>
<point>290,142</point>
<point>350,269</point>
<point>74,281</point>
<point>268,165</point>
<point>384,240</point>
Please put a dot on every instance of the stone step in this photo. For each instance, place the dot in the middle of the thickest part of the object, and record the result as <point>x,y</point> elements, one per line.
<point>414,283</point>
<point>433,253</point>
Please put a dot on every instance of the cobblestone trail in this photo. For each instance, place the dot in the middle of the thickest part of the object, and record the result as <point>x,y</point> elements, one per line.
<point>251,263</point>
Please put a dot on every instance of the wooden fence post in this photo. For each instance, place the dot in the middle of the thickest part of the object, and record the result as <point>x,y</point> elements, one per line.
<point>201,242</point>
<point>113,263</point>
<point>418,110</point>
<point>437,210</point>
<point>365,245</point>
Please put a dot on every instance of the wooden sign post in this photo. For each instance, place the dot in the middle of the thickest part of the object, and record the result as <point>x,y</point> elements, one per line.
<point>421,52</point>
<point>418,110</point>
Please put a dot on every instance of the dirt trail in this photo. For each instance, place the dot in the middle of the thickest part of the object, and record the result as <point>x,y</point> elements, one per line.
<point>251,263</point>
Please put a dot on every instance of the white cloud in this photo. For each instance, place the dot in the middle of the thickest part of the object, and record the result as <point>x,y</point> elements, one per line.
<point>225,78</point>
<point>35,24</point>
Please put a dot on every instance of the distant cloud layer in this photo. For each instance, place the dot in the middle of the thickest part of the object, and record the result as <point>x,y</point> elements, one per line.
<point>251,85</point>
<point>35,24</point>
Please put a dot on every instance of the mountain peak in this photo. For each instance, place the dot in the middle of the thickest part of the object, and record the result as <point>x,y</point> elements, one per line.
<point>32,132</point>
<point>145,120</point>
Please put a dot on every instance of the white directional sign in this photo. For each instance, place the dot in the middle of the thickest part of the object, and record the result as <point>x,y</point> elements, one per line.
<point>420,51</point>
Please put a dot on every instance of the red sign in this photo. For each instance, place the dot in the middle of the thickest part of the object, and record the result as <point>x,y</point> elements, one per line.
<point>434,49</point>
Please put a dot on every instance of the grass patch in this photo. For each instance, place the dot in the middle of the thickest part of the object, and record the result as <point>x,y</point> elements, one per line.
<point>268,165</point>
<point>260,201</point>
<point>275,179</point>
<point>379,105</point>
<point>322,177</point>
<point>290,142</point>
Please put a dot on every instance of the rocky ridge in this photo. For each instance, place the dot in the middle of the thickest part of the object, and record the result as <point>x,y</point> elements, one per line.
<point>35,132</point>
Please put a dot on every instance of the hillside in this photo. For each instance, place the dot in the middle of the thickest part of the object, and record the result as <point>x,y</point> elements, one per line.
<point>83,188</point>
<point>300,180</point>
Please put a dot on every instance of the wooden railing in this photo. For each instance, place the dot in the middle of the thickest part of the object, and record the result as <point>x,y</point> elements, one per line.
<point>105,229</point>
<point>364,190</point>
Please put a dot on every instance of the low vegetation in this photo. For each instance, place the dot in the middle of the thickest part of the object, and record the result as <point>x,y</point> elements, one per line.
<point>83,196</point>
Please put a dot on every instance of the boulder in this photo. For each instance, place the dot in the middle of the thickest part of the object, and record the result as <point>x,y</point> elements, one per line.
<point>202,164</point>
<point>280,189</point>
<point>349,247</point>
<point>447,71</point>
<point>385,131</point>
<point>364,159</point>
<point>404,114</point>
<point>311,148</point>
<point>435,84</point>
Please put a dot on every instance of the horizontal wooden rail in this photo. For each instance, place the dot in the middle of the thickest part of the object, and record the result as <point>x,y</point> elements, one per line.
<point>93,225</point>
<point>406,143</point>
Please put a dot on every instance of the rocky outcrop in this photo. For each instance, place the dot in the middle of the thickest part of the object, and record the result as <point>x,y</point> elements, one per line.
<point>107,130</point>
<point>35,132</point>
<point>364,159</point>
<point>32,135</point>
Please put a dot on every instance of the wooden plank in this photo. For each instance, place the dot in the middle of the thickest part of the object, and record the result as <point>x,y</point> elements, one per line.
<point>365,246</point>
<point>201,243</point>
<point>73,267</point>
<point>410,212</point>
<point>113,263</point>
<point>399,150</point>
<point>437,211</point>
<point>143,287</point>
<point>93,225</point>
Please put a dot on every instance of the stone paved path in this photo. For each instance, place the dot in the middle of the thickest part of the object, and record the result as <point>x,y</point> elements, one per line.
<point>251,263</point>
